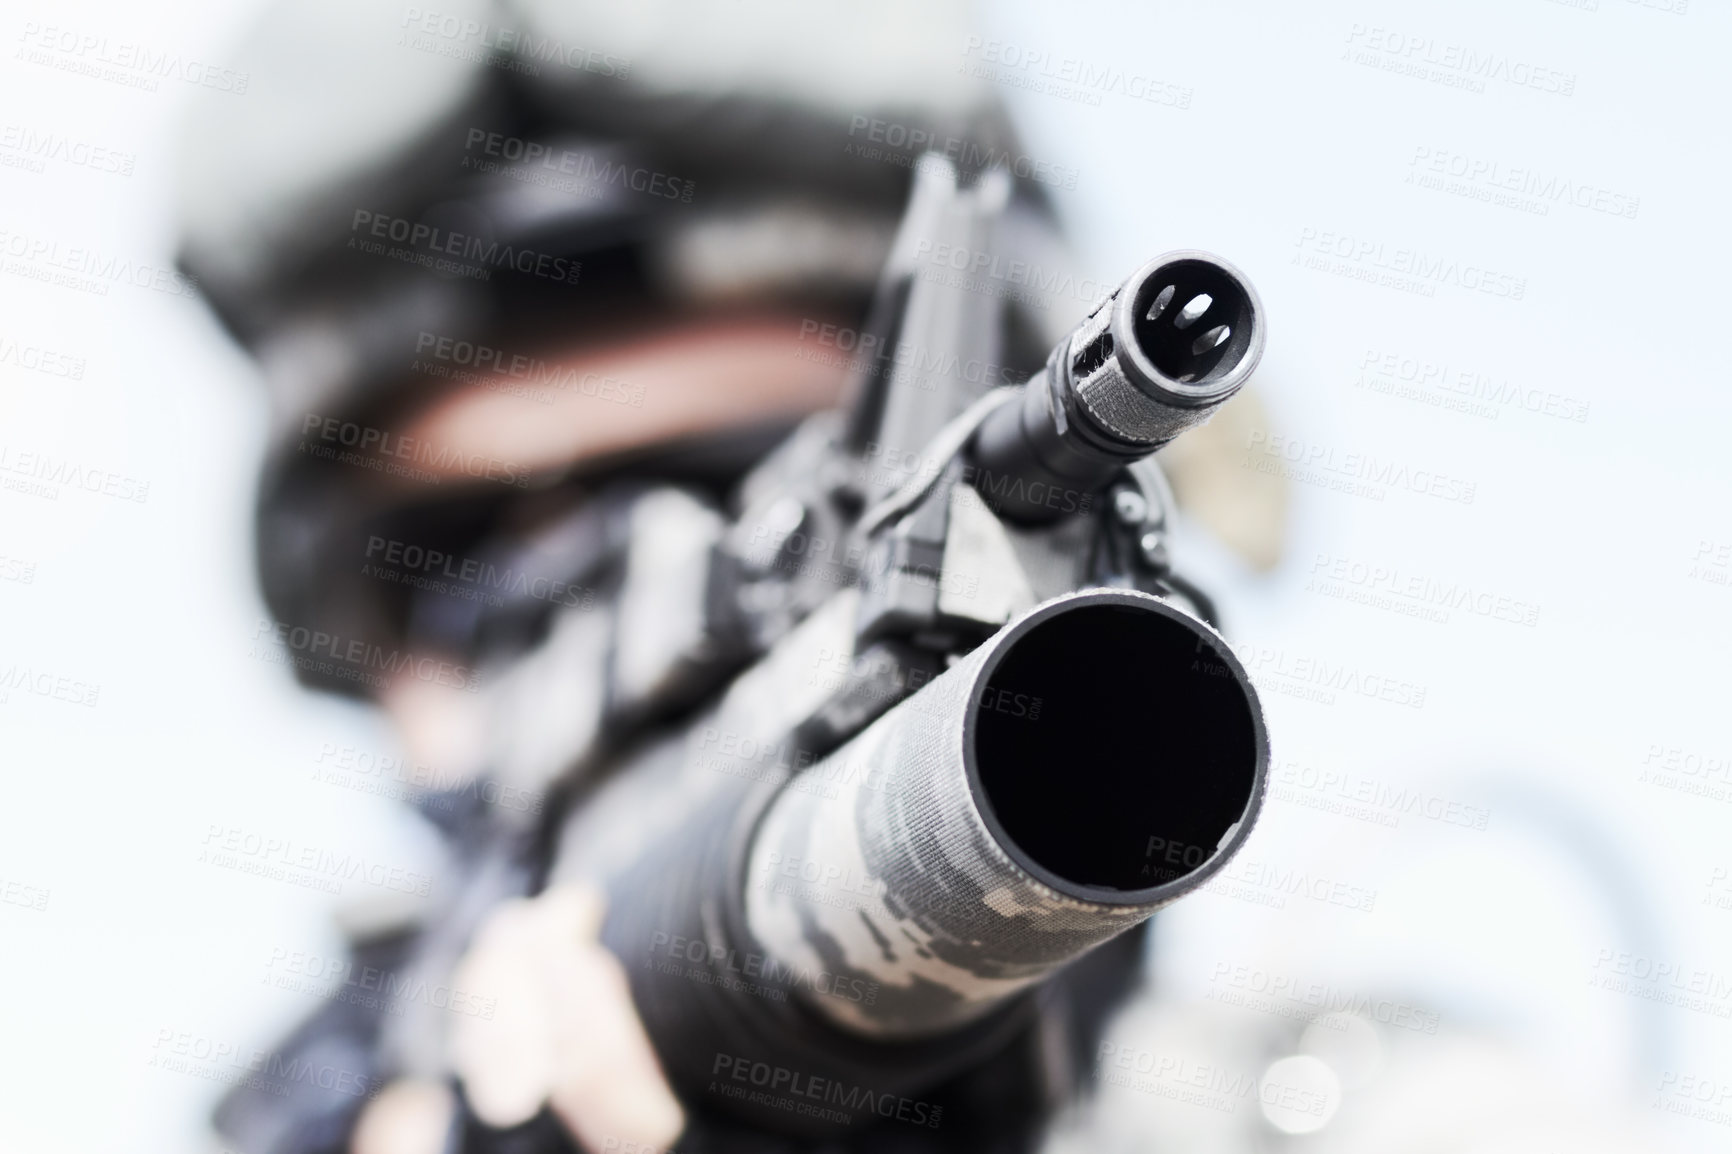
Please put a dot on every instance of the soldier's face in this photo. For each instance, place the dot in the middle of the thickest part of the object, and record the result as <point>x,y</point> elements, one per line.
<point>631,391</point>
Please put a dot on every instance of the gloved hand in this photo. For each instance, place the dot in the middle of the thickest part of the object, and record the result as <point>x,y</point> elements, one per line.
<point>564,1035</point>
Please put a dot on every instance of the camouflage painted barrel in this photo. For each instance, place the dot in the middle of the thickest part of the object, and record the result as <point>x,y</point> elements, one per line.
<point>1095,759</point>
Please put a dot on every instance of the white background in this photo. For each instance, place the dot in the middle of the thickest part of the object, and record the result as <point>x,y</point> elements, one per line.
<point>1288,138</point>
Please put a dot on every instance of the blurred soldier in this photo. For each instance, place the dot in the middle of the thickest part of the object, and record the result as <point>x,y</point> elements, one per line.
<point>497,262</point>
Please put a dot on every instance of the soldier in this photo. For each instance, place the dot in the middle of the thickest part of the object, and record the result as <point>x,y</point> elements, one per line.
<point>503,267</point>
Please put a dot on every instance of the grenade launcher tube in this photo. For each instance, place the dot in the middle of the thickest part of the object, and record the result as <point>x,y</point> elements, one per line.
<point>883,919</point>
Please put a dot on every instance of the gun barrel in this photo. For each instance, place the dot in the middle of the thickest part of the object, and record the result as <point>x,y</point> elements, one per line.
<point>1094,760</point>
<point>1159,356</point>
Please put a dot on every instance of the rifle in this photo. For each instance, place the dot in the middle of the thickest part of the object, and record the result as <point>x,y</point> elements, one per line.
<point>934,719</point>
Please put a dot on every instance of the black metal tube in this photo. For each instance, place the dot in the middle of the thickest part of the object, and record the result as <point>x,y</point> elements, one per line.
<point>883,920</point>
<point>1097,758</point>
<point>1159,356</point>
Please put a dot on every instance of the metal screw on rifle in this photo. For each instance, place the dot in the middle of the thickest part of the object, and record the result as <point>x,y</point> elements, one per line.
<point>1154,549</point>
<point>1130,506</point>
